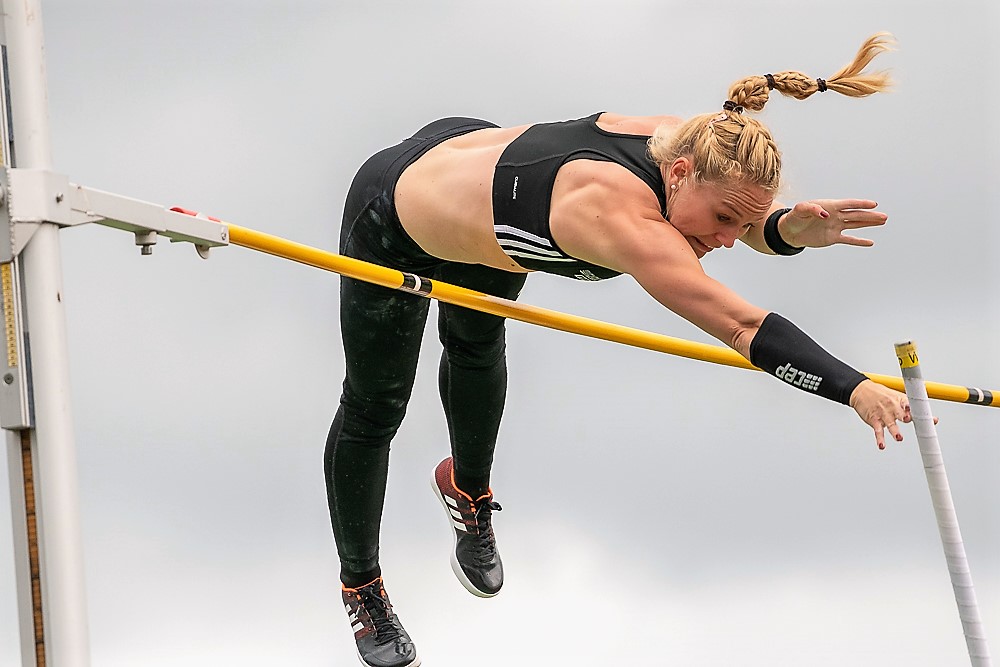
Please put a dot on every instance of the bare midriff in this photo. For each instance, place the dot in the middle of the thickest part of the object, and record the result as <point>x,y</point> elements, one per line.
<point>445,198</point>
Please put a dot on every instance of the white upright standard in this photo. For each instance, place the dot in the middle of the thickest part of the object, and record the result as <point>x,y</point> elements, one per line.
<point>41,448</point>
<point>944,507</point>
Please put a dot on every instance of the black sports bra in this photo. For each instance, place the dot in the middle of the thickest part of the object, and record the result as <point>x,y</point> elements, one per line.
<point>522,189</point>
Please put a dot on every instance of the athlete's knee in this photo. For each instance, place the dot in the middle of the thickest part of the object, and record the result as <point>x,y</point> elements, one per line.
<point>479,352</point>
<point>369,419</point>
<point>471,339</point>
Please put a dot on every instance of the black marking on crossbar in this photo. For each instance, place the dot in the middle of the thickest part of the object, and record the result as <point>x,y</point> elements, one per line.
<point>416,284</point>
<point>979,396</point>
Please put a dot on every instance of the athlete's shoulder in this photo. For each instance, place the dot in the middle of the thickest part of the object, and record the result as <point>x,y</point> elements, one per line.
<point>646,125</point>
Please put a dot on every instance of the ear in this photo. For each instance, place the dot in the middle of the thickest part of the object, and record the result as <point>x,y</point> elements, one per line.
<point>678,170</point>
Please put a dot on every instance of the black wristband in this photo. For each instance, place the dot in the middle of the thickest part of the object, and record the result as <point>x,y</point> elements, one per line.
<point>773,239</point>
<point>782,349</point>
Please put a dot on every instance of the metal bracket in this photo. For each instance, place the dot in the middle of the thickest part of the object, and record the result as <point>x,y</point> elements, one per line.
<point>29,197</point>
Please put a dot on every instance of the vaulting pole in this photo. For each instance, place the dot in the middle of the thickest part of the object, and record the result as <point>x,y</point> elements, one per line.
<point>944,506</point>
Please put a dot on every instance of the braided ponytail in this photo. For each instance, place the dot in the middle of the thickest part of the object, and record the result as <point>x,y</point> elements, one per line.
<point>752,92</point>
<point>729,146</point>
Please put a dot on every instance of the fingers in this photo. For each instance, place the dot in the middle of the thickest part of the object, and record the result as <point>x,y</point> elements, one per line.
<point>855,241</point>
<point>850,213</point>
<point>902,414</point>
<point>844,204</point>
<point>889,408</point>
<point>880,429</point>
<point>811,208</point>
<point>894,431</point>
<point>879,434</point>
<point>857,220</point>
<point>880,425</point>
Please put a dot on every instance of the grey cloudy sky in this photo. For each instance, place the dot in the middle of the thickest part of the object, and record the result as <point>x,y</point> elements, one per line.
<point>656,510</point>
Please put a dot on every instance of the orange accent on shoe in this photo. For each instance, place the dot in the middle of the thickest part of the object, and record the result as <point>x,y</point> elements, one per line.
<point>488,494</point>
<point>355,590</point>
<point>455,486</point>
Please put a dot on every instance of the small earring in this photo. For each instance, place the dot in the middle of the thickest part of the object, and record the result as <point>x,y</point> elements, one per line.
<point>673,186</point>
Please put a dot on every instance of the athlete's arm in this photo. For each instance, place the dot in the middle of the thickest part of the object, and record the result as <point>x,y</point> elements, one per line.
<point>635,239</point>
<point>819,223</point>
<point>603,214</point>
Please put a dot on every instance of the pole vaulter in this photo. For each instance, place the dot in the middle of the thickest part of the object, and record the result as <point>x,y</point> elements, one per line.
<point>35,414</point>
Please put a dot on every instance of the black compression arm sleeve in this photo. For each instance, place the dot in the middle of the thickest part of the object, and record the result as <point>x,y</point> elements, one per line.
<point>782,349</point>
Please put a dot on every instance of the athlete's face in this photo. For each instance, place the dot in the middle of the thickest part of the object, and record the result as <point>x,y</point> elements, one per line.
<point>714,215</point>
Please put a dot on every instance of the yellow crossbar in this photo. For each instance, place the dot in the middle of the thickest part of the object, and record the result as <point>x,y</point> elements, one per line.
<point>393,279</point>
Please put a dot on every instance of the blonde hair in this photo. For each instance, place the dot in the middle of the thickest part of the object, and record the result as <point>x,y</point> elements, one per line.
<point>728,146</point>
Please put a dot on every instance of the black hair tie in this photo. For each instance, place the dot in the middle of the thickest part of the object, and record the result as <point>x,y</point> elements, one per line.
<point>770,81</point>
<point>729,105</point>
<point>821,84</point>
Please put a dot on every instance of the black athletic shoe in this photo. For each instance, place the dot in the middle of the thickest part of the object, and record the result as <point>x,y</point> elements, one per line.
<point>381,639</point>
<point>475,560</point>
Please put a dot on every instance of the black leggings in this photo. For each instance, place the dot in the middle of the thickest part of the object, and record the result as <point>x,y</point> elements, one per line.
<point>382,330</point>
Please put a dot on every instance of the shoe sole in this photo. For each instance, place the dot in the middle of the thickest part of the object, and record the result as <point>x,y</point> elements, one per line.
<point>415,663</point>
<point>455,566</point>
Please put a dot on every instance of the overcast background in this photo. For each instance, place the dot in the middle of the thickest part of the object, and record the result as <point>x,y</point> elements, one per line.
<point>656,510</point>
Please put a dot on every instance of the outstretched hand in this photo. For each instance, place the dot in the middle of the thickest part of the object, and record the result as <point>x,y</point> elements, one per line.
<point>880,408</point>
<point>822,222</point>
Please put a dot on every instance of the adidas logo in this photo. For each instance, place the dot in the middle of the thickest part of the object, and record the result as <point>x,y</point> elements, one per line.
<point>352,615</point>
<point>797,378</point>
<point>456,515</point>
